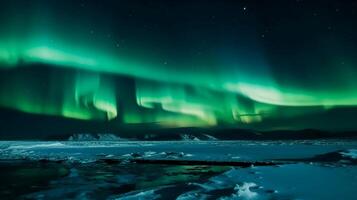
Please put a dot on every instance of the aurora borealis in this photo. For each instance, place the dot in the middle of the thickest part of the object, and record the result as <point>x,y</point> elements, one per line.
<point>179,63</point>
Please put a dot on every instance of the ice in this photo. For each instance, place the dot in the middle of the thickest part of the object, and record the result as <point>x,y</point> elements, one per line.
<point>305,170</point>
<point>244,191</point>
<point>38,145</point>
<point>194,195</point>
<point>142,195</point>
<point>298,181</point>
<point>197,150</point>
<point>351,153</point>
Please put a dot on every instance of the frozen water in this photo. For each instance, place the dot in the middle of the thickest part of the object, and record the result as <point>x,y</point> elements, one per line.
<point>142,195</point>
<point>197,150</point>
<point>351,153</point>
<point>306,169</point>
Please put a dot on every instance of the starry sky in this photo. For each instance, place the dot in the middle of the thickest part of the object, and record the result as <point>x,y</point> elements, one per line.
<point>259,64</point>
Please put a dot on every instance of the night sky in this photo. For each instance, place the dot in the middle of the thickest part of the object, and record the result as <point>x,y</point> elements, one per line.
<point>287,64</point>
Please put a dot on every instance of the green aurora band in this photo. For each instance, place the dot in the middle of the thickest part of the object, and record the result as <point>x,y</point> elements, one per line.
<point>179,92</point>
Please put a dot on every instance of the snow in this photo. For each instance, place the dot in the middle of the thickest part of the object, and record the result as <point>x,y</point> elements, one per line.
<point>109,137</point>
<point>95,137</point>
<point>82,137</point>
<point>187,137</point>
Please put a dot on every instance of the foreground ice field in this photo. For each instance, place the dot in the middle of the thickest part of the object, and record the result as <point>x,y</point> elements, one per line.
<point>229,170</point>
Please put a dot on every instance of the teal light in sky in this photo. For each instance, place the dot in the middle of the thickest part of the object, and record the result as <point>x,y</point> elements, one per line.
<point>79,95</point>
<point>191,75</point>
<point>263,91</point>
<point>92,95</point>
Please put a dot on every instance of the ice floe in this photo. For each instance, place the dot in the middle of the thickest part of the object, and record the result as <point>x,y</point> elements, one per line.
<point>351,153</point>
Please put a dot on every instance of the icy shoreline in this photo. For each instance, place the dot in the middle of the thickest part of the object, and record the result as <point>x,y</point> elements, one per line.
<point>264,170</point>
<point>223,151</point>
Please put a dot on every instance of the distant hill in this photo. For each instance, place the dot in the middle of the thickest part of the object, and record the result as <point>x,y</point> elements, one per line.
<point>23,126</point>
<point>201,134</point>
